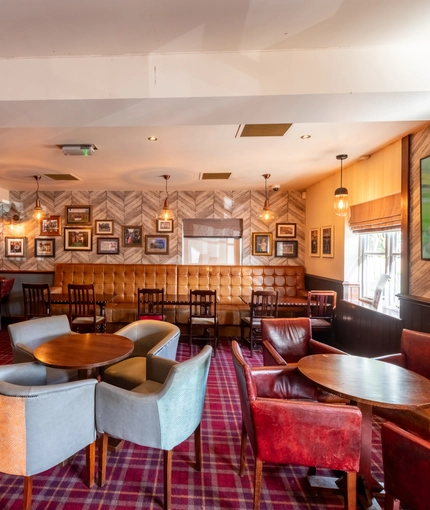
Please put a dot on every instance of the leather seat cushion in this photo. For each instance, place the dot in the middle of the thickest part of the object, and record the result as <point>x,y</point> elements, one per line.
<point>126,374</point>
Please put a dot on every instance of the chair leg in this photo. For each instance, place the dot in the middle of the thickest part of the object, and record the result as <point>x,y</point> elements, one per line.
<point>90,452</point>
<point>243,438</point>
<point>257,483</point>
<point>198,446</point>
<point>251,342</point>
<point>28,489</point>
<point>103,449</point>
<point>351,491</point>
<point>190,338</point>
<point>167,479</point>
<point>391,503</point>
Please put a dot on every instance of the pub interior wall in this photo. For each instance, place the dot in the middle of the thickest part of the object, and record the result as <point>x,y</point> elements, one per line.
<point>140,208</point>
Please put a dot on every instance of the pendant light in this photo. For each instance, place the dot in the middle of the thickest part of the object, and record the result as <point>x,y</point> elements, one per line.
<point>267,215</point>
<point>37,211</point>
<point>165,213</point>
<point>341,194</point>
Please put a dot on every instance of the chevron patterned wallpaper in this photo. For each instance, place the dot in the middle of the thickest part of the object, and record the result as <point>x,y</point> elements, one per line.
<point>140,208</point>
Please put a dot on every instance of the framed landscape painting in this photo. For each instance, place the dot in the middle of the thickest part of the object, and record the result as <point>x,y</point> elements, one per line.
<point>78,239</point>
<point>157,245</point>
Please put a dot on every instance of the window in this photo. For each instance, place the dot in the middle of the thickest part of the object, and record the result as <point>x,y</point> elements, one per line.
<point>379,253</point>
<point>213,250</point>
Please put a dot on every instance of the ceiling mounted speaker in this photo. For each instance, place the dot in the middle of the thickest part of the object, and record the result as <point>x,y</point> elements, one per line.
<point>78,150</point>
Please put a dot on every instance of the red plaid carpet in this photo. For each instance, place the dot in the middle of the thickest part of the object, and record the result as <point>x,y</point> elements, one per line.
<point>135,475</point>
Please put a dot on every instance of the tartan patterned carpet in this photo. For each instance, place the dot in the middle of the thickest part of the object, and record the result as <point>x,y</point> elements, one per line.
<point>135,474</point>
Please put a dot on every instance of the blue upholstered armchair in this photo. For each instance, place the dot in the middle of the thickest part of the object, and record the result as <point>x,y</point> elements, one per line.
<point>42,425</point>
<point>160,413</point>
<point>151,338</point>
<point>27,335</point>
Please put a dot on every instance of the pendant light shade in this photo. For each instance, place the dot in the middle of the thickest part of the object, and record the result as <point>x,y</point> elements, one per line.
<point>165,213</point>
<point>267,214</point>
<point>37,211</point>
<point>341,194</point>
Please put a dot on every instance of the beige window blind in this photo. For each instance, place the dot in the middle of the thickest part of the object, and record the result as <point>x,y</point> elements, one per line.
<point>380,214</point>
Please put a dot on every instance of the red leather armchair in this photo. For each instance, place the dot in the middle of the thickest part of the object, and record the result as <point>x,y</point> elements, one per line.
<point>289,340</point>
<point>286,426</point>
<point>414,355</point>
<point>406,460</point>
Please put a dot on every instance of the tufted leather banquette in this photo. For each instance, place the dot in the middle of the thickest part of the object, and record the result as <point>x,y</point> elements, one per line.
<point>233,284</point>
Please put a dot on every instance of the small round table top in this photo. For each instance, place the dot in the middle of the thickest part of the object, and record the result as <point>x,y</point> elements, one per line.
<point>84,351</point>
<point>368,381</point>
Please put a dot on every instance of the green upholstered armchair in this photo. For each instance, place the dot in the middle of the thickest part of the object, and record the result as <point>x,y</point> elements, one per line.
<point>151,338</point>
<point>27,335</point>
<point>43,424</point>
<point>160,413</point>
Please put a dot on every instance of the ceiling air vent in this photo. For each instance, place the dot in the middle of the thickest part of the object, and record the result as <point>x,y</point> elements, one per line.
<point>215,175</point>
<point>61,177</point>
<point>265,129</point>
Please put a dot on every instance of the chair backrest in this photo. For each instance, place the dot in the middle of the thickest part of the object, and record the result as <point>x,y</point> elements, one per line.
<point>406,461</point>
<point>264,303</point>
<point>321,304</point>
<point>37,300</point>
<point>289,337</point>
<point>150,304</point>
<point>31,334</point>
<point>203,303</point>
<point>82,301</point>
<point>32,433</point>
<point>415,346</point>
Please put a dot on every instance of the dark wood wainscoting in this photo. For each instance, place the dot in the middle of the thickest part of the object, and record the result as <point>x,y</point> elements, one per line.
<point>313,282</point>
<point>415,312</point>
<point>364,331</point>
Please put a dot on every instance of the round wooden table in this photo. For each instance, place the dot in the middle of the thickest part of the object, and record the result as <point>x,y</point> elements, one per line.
<point>368,382</point>
<point>85,352</point>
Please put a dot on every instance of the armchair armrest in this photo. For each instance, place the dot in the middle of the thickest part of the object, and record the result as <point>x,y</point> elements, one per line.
<point>397,358</point>
<point>316,347</point>
<point>270,356</point>
<point>157,368</point>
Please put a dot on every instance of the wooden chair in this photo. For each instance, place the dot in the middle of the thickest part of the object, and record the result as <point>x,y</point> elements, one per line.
<point>82,309</point>
<point>203,317</point>
<point>150,304</point>
<point>264,305</point>
<point>320,310</point>
<point>6,285</point>
<point>37,300</point>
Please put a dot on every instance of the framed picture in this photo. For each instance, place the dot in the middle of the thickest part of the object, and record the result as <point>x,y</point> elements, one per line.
<point>131,236</point>
<point>425,208</point>
<point>15,246</point>
<point>289,249</point>
<point>104,227</point>
<point>164,225</point>
<point>157,245</point>
<point>50,226</point>
<point>78,214</point>
<point>327,241</point>
<point>314,242</point>
<point>108,245</point>
<point>78,238</point>
<point>261,243</point>
<point>285,230</point>
<point>44,247</point>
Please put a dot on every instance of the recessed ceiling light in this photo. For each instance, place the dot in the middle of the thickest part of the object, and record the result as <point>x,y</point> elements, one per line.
<point>305,137</point>
<point>152,138</point>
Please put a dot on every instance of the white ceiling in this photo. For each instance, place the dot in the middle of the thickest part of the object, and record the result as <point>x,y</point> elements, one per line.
<point>353,74</point>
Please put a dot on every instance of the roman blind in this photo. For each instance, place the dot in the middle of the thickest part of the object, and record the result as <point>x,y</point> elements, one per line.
<point>212,227</point>
<point>380,214</point>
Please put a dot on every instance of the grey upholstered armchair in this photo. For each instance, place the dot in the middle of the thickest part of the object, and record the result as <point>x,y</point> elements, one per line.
<point>27,335</point>
<point>160,413</point>
<point>151,338</point>
<point>42,425</point>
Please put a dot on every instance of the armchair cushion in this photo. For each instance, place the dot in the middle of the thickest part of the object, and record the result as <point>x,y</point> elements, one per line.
<point>151,338</point>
